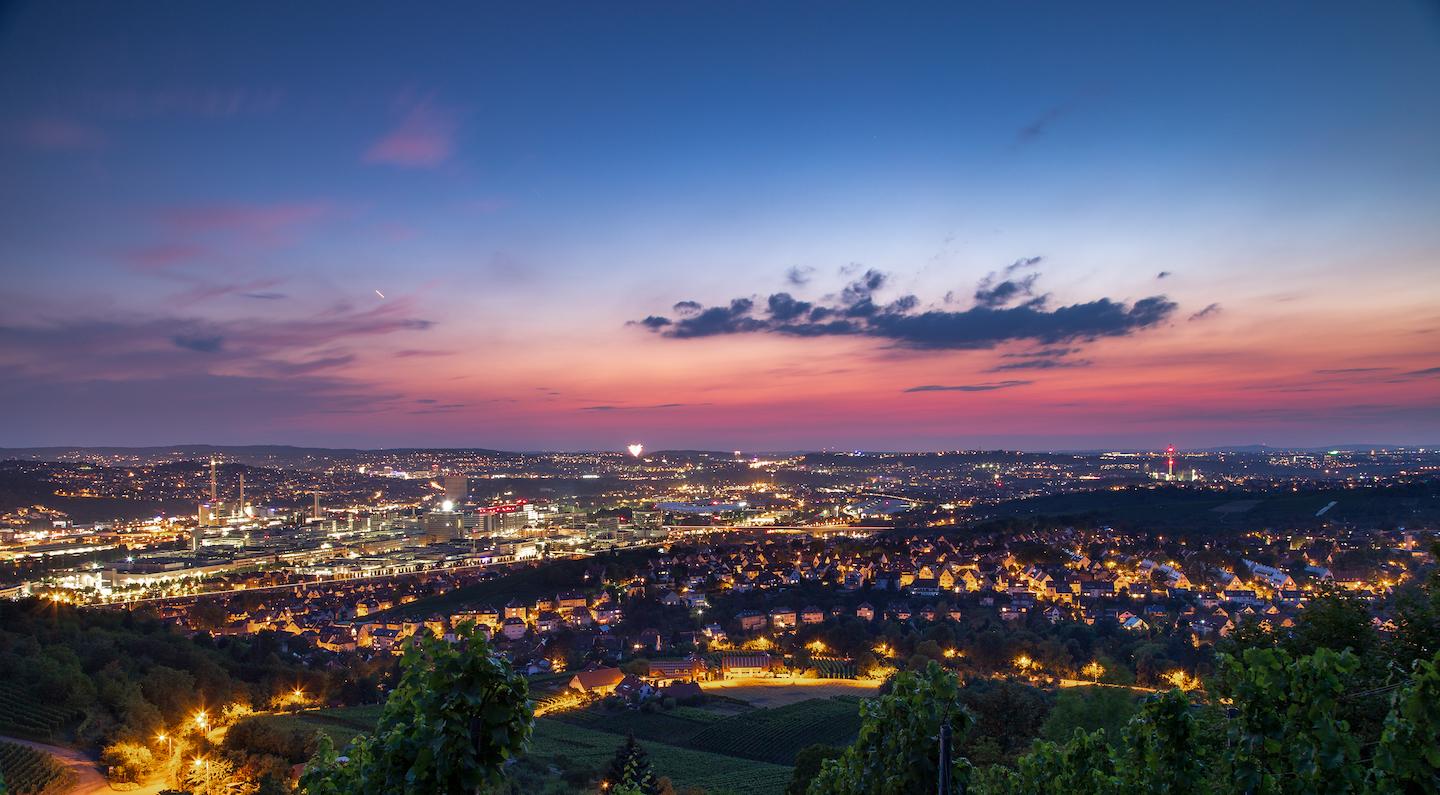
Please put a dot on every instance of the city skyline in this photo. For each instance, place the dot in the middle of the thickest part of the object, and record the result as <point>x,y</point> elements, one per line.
<point>581,228</point>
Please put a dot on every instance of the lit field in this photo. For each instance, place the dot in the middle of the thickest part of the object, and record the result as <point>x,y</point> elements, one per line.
<point>767,692</point>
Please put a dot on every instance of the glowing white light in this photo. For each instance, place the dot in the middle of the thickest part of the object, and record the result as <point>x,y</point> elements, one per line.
<point>447,506</point>
<point>636,449</point>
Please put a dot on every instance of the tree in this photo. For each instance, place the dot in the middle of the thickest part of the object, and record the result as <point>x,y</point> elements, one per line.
<point>630,770</point>
<point>1162,752</point>
<point>897,751</point>
<point>1082,766</point>
<point>1286,736</point>
<point>807,766</point>
<point>1408,756</point>
<point>1089,709</point>
<point>457,716</point>
<point>128,762</point>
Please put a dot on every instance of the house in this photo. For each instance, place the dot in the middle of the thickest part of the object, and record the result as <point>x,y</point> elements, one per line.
<point>783,618</point>
<point>751,620</point>
<point>633,688</point>
<point>663,672</point>
<point>601,680</point>
<point>812,615</point>
<point>513,628</point>
<point>924,587</point>
<point>739,664</point>
<point>865,611</point>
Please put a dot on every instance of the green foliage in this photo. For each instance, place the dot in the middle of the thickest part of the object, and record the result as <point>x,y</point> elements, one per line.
<point>630,770</point>
<point>128,762</point>
<point>1007,717</point>
<point>1084,765</point>
<point>1286,736</point>
<point>807,766</point>
<point>897,752</point>
<point>1089,709</point>
<point>1161,750</point>
<point>1407,758</point>
<point>458,715</point>
<point>97,676</point>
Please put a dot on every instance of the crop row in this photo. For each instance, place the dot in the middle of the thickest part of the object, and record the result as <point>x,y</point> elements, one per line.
<point>777,735</point>
<point>31,772</point>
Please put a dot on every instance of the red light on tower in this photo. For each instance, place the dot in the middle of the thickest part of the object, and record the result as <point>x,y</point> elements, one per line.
<point>1170,462</point>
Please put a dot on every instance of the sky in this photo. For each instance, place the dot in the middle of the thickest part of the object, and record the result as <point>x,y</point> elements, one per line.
<point>720,225</point>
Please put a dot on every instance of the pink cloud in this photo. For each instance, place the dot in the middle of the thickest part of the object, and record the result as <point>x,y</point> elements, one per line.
<point>62,135</point>
<point>425,138</point>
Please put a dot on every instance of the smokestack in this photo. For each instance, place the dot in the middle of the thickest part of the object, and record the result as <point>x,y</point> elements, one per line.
<point>315,511</point>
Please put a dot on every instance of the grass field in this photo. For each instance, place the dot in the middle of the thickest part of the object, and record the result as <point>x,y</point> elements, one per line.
<point>684,766</point>
<point>765,692</point>
<point>777,735</point>
<point>341,724</point>
<point>726,746</point>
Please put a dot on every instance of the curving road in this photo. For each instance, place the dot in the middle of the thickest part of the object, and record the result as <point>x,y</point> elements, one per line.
<point>90,780</point>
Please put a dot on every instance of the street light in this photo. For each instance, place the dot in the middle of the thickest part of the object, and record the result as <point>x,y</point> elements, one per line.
<point>201,722</point>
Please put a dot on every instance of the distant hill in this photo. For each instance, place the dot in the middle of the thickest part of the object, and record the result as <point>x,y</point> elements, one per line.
<point>1184,508</point>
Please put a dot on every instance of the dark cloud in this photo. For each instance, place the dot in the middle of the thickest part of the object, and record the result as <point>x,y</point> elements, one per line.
<point>311,365</point>
<point>265,296</point>
<point>799,276</point>
<point>1023,263</point>
<point>1041,353</point>
<point>418,353</point>
<point>641,408</point>
<point>1007,310</point>
<point>1353,370</point>
<point>1163,275</point>
<point>986,387</point>
<point>1426,373</point>
<point>207,344</point>
<point>687,307</point>
<point>1040,364</point>
<point>1209,311</point>
<point>783,308</point>
<point>732,319</point>
<point>991,294</point>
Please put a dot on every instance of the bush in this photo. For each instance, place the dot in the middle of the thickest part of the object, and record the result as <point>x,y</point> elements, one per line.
<point>128,762</point>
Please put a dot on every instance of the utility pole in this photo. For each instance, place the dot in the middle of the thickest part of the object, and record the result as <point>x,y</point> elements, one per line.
<point>945,759</point>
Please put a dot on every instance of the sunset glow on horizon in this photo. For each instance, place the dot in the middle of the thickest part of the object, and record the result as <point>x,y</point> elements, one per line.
<point>579,227</point>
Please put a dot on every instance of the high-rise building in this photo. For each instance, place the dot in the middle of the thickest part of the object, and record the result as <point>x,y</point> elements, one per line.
<point>457,488</point>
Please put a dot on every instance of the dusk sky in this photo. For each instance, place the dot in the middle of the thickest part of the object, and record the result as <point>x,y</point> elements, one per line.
<point>758,226</point>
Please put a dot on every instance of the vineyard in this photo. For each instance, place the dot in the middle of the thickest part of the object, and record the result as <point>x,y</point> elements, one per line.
<point>21,714</point>
<point>31,772</point>
<point>685,767</point>
<point>833,668</point>
<point>343,725</point>
<point>777,735</point>
<point>674,726</point>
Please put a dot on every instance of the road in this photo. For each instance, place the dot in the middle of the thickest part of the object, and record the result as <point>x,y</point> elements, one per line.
<point>91,779</point>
